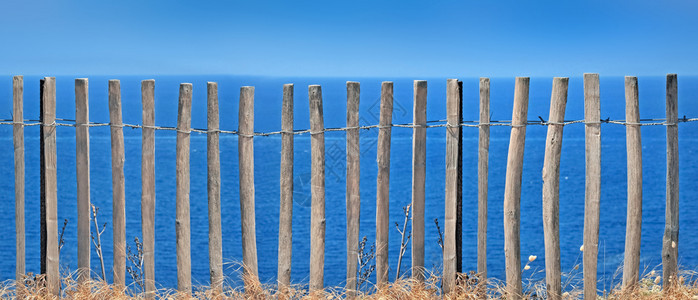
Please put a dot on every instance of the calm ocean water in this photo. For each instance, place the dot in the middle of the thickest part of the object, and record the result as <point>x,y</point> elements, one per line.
<point>267,152</point>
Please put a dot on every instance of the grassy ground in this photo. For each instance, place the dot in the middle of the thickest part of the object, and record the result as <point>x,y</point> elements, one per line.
<point>468,288</point>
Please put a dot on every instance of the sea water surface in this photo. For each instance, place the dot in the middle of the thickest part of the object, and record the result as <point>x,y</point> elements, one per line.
<point>268,95</point>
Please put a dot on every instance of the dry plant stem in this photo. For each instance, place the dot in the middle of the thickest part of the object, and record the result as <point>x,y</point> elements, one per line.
<point>97,239</point>
<point>404,239</point>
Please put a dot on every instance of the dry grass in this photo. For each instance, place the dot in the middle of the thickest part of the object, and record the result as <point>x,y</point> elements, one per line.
<point>468,288</point>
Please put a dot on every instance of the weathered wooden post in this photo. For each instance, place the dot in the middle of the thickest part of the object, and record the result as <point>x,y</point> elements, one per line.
<point>18,141</point>
<point>82,166</point>
<point>317,189</point>
<point>353,197</point>
<point>213,185</point>
<point>512,189</point>
<point>419,150</point>
<point>449,250</point>
<point>633,231</point>
<point>247,188</point>
<point>551,188</point>
<point>459,183</point>
<point>482,177</point>
<point>383,183</point>
<point>49,188</point>
<point>182,190</point>
<point>592,190</point>
<point>286,189</point>
<point>117,178</point>
<point>148,185</point>
<point>670,245</point>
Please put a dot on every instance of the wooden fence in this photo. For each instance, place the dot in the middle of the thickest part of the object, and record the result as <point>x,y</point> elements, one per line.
<point>453,186</point>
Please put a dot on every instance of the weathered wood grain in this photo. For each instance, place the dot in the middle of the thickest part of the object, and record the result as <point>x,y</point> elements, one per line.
<point>247,188</point>
<point>118,183</point>
<point>182,219</point>
<point>670,245</point>
<point>383,183</point>
<point>213,186</point>
<point>286,189</point>
<point>50,187</point>
<point>512,190</point>
<point>633,230</point>
<point>551,188</point>
<point>317,185</point>
<point>82,166</point>
<point>482,176</point>
<point>419,150</point>
<point>592,189</point>
<point>18,142</point>
<point>148,185</point>
<point>449,250</point>
<point>353,197</point>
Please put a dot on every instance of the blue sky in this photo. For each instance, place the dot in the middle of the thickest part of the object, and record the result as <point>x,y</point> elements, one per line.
<point>352,38</point>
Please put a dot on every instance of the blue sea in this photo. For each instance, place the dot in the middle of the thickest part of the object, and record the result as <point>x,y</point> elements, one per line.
<point>268,94</point>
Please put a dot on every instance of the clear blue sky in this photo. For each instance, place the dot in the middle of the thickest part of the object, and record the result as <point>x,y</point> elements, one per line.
<point>352,38</point>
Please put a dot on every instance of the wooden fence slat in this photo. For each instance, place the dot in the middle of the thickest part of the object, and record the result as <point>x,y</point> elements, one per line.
<point>459,183</point>
<point>631,267</point>
<point>317,183</point>
<point>18,141</point>
<point>383,183</point>
<point>482,176</point>
<point>118,183</point>
<point>551,188</point>
<point>42,175</point>
<point>50,188</point>
<point>592,190</point>
<point>183,220</point>
<point>353,197</point>
<point>286,189</point>
<point>247,188</point>
<point>213,185</point>
<point>512,189</point>
<point>419,150</point>
<point>449,250</point>
<point>148,185</point>
<point>670,245</point>
<point>82,166</point>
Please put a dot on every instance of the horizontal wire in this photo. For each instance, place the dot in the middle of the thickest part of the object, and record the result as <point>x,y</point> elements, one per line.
<point>427,124</point>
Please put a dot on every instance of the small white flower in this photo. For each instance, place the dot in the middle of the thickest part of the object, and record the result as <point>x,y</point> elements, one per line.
<point>581,248</point>
<point>673,244</point>
<point>657,280</point>
<point>527,267</point>
<point>652,273</point>
<point>532,258</point>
